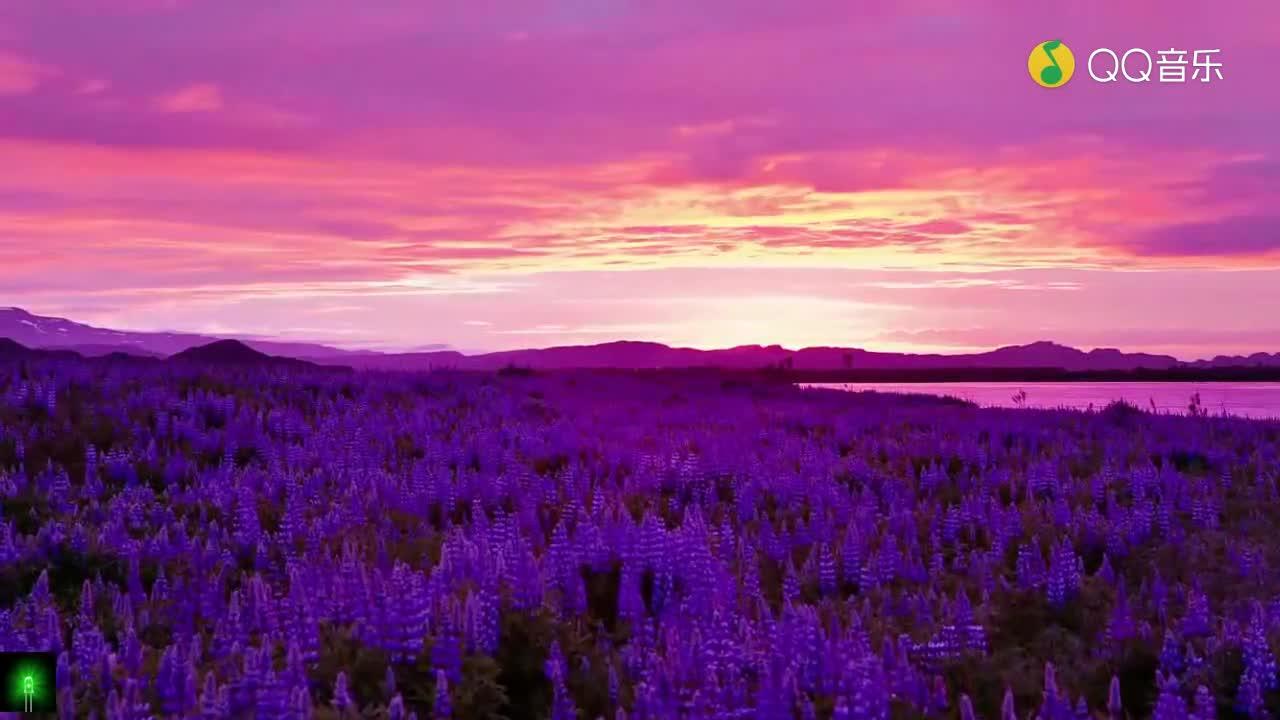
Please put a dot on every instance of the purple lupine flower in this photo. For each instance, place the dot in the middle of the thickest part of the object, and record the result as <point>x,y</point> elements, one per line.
<point>1171,659</point>
<point>562,705</point>
<point>1114,706</point>
<point>1007,709</point>
<point>273,697</point>
<point>1206,707</point>
<point>341,693</point>
<point>867,689</point>
<point>442,705</point>
<point>446,652</point>
<point>171,682</point>
<point>62,673</point>
<point>1120,626</point>
<point>1030,567</point>
<point>395,709</point>
<point>1259,667</point>
<point>938,699</point>
<point>300,701</point>
<point>132,652</point>
<point>389,682</point>
<point>827,578</point>
<point>1197,621</point>
<point>773,701</point>
<point>790,583</point>
<point>1251,698</point>
<point>1170,705</point>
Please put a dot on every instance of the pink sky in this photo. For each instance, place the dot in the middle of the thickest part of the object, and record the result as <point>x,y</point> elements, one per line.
<point>489,175</point>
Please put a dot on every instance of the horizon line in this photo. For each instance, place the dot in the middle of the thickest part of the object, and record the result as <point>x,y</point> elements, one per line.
<point>430,348</point>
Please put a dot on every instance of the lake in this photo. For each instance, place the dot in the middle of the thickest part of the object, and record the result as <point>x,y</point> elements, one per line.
<point>1255,400</point>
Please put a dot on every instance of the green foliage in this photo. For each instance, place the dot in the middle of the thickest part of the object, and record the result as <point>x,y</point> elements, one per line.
<point>510,686</point>
<point>366,667</point>
<point>522,654</point>
<point>1025,632</point>
<point>1190,462</point>
<point>481,694</point>
<point>602,595</point>
<point>66,576</point>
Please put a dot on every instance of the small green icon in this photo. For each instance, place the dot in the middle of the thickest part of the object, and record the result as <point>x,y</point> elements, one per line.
<point>1051,75</point>
<point>27,683</point>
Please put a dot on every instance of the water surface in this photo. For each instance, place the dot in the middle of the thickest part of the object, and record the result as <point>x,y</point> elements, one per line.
<point>1255,400</point>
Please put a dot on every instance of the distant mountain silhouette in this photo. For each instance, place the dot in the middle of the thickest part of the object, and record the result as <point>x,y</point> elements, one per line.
<point>1255,360</point>
<point>648,355</point>
<point>126,357</point>
<point>10,348</point>
<point>222,351</point>
<point>35,331</point>
<point>1037,354</point>
<point>38,331</point>
<point>441,360</point>
<point>219,352</point>
<point>231,352</point>
<point>93,350</point>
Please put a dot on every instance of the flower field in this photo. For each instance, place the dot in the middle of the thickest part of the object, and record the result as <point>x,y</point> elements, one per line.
<point>291,543</point>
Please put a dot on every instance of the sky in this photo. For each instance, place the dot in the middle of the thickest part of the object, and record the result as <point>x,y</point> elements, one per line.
<point>486,175</point>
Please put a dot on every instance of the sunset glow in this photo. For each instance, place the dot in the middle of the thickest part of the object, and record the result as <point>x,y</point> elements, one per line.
<point>498,175</point>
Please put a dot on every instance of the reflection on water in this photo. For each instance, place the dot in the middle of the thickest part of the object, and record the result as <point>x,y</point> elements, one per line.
<point>1256,400</point>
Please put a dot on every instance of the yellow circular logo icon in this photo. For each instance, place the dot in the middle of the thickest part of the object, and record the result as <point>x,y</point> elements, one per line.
<point>1051,64</point>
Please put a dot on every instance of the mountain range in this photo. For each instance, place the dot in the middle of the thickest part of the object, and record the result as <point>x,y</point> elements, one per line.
<point>38,331</point>
<point>35,331</point>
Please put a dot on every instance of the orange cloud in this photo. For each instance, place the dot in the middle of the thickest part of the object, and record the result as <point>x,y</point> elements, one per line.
<point>325,215</point>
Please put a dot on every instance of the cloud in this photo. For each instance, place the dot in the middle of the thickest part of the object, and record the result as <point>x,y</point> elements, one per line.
<point>974,282</point>
<point>202,97</point>
<point>941,227</point>
<point>19,76</point>
<point>93,87</point>
<point>615,82</point>
<point>1246,235</point>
